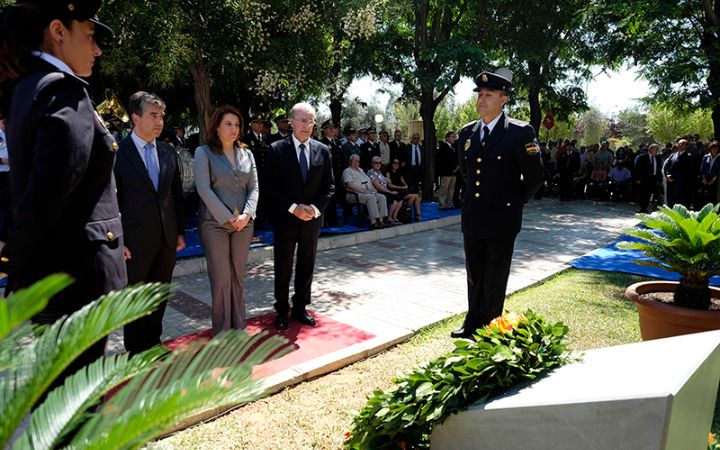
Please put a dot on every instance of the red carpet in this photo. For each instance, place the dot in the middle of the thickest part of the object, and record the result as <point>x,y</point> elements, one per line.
<point>310,342</point>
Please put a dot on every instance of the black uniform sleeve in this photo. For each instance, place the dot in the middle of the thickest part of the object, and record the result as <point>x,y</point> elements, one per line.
<point>531,166</point>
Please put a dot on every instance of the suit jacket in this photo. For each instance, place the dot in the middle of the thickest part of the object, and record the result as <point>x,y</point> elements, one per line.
<point>65,213</point>
<point>684,169</point>
<point>150,218</point>
<point>446,160</point>
<point>495,195</point>
<point>643,169</point>
<point>224,188</point>
<point>284,184</point>
<point>398,150</point>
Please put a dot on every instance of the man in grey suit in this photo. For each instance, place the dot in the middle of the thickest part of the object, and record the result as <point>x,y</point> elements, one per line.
<point>149,191</point>
<point>299,183</point>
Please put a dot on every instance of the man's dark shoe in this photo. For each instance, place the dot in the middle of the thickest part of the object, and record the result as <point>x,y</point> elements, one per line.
<point>281,322</point>
<point>461,333</point>
<point>304,318</point>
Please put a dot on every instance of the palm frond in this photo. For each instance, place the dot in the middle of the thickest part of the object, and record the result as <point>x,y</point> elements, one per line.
<point>25,303</point>
<point>62,342</point>
<point>66,406</point>
<point>187,383</point>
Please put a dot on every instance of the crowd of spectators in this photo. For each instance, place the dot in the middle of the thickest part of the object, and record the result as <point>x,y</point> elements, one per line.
<point>597,172</point>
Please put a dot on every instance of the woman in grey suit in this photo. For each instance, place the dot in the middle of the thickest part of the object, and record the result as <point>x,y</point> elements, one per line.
<point>226,180</point>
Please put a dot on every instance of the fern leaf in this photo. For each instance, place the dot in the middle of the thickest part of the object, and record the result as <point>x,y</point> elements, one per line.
<point>139,413</point>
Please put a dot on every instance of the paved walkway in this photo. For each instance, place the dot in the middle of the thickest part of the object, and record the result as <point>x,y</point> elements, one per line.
<point>393,282</point>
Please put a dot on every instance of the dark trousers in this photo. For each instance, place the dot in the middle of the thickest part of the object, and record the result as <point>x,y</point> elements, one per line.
<point>145,332</point>
<point>645,190</point>
<point>305,238</point>
<point>487,263</point>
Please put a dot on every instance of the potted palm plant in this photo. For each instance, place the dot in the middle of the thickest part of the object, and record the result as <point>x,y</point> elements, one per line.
<point>688,243</point>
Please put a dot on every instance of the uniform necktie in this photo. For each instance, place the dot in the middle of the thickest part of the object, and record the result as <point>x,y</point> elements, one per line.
<point>486,134</point>
<point>303,163</point>
<point>151,165</point>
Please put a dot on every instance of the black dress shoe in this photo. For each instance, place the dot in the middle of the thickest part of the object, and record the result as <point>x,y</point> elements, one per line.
<point>304,318</point>
<point>460,333</point>
<point>281,322</point>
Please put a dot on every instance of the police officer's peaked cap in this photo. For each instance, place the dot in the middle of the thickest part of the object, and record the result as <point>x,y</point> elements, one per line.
<point>257,118</point>
<point>328,124</point>
<point>349,130</point>
<point>371,130</point>
<point>489,80</point>
<point>79,10</point>
<point>282,118</point>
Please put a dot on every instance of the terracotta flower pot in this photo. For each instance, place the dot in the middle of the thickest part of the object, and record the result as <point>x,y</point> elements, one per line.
<point>660,320</point>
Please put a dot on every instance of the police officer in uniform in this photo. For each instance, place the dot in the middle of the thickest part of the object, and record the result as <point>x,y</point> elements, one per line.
<point>64,209</point>
<point>330,132</point>
<point>500,160</point>
<point>256,141</point>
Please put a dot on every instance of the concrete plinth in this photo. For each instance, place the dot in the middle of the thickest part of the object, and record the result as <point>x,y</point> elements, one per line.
<point>655,395</point>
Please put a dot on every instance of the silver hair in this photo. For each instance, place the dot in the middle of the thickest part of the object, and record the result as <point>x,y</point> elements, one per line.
<point>354,156</point>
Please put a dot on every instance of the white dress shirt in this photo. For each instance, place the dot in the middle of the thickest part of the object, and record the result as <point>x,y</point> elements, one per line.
<point>297,143</point>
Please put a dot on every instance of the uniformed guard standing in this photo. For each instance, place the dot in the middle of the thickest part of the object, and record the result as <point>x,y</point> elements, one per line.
<point>500,160</point>
<point>65,211</point>
<point>330,132</point>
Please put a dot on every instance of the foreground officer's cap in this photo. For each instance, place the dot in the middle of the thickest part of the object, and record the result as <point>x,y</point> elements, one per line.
<point>79,10</point>
<point>349,130</point>
<point>282,118</point>
<point>257,119</point>
<point>328,124</point>
<point>489,80</point>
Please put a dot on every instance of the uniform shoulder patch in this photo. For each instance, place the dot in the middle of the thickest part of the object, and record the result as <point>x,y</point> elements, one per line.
<point>532,148</point>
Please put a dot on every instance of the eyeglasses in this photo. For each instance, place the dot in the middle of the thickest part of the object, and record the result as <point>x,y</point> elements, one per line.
<point>305,122</point>
<point>396,162</point>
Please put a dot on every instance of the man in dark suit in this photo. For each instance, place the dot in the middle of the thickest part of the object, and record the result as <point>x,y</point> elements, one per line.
<point>149,191</point>
<point>398,149</point>
<point>179,139</point>
<point>647,175</point>
<point>681,172</point>
<point>500,159</point>
<point>446,163</point>
<point>299,185</point>
<point>330,132</point>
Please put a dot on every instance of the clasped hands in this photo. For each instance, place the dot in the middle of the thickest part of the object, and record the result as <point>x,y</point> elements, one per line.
<point>304,212</point>
<point>240,221</point>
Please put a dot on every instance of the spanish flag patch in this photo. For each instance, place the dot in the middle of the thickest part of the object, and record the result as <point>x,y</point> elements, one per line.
<point>532,148</point>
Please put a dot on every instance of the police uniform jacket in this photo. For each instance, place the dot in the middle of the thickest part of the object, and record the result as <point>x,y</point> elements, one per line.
<point>65,212</point>
<point>501,175</point>
<point>258,148</point>
<point>335,155</point>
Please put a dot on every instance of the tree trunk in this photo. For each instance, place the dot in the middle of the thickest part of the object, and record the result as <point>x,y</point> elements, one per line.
<point>427,112</point>
<point>336,108</point>
<point>534,95</point>
<point>201,79</point>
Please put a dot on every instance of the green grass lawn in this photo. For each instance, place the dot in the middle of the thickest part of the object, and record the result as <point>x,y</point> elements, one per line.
<point>316,414</point>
